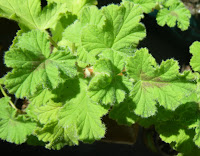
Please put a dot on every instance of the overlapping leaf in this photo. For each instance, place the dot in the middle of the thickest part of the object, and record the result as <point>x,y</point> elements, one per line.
<point>48,112</point>
<point>85,114</point>
<point>114,27</point>
<point>195,51</point>
<point>178,130</point>
<point>157,84</point>
<point>108,86</point>
<point>13,128</point>
<point>75,6</point>
<point>194,62</point>
<point>121,31</point>
<point>73,32</point>
<point>67,110</point>
<point>146,5</point>
<point>180,138</point>
<point>33,65</point>
<point>122,114</point>
<point>57,136</point>
<point>29,13</point>
<point>176,13</point>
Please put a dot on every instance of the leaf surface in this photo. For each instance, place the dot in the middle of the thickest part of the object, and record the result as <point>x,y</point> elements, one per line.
<point>176,13</point>
<point>195,51</point>
<point>30,14</point>
<point>13,129</point>
<point>33,65</point>
<point>157,84</point>
<point>108,86</point>
<point>146,5</point>
<point>122,30</point>
<point>179,137</point>
<point>85,114</point>
<point>75,6</point>
<point>48,112</point>
<point>122,114</point>
<point>57,136</point>
<point>73,32</point>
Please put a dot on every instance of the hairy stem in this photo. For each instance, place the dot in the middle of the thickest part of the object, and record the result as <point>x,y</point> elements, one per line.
<point>4,94</point>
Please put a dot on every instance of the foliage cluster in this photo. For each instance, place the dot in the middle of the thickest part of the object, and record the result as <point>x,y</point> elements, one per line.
<point>74,63</point>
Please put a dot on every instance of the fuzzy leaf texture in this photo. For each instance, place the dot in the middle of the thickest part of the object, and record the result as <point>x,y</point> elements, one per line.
<point>121,31</point>
<point>122,114</point>
<point>85,114</point>
<point>75,6</point>
<point>195,51</point>
<point>194,62</point>
<point>73,32</point>
<point>33,65</point>
<point>14,129</point>
<point>118,29</point>
<point>57,136</point>
<point>146,5</point>
<point>178,129</point>
<point>108,86</point>
<point>157,84</point>
<point>176,13</point>
<point>78,119</point>
<point>41,99</point>
<point>48,112</point>
<point>176,134</point>
<point>29,13</point>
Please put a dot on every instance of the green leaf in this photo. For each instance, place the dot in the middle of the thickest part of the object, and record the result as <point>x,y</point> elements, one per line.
<point>195,51</point>
<point>114,27</point>
<point>168,3</point>
<point>146,5</point>
<point>122,114</point>
<point>57,136</point>
<point>29,13</point>
<point>197,135</point>
<point>157,84</point>
<point>85,114</point>
<point>40,98</point>
<point>175,13</point>
<point>75,6</point>
<point>178,130</point>
<point>179,137</point>
<point>108,86</point>
<point>174,127</point>
<point>122,30</point>
<point>48,112</point>
<point>61,25</point>
<point>73,32</point>
<point>33,65</point>
<point>66,91</point>
<point>87,16</point>
<point>14,129</point>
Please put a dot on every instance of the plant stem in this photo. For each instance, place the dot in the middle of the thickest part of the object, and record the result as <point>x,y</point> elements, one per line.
<point>53,42</point>
<point>5,95</point>
<point>73,48</point>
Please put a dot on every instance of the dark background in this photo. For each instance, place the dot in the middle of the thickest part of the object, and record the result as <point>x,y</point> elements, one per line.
<point>162,42</point>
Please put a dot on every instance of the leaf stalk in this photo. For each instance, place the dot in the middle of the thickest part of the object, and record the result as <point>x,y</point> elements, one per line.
<point>5,95</point>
